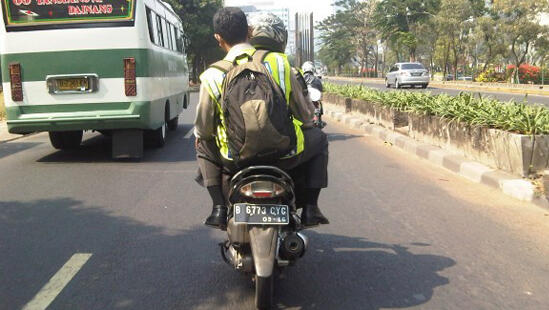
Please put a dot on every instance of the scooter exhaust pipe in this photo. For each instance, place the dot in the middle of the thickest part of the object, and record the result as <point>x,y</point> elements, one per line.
<point>293,246</point>
<point>305,241</point>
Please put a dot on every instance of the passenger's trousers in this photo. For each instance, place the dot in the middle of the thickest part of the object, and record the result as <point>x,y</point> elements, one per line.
<point>309,169</point>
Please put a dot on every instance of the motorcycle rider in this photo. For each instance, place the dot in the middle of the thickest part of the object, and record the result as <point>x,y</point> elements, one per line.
<point>314,84</point>
<point>309,73</point>
<point>268,32</point>
<point>231,31</point>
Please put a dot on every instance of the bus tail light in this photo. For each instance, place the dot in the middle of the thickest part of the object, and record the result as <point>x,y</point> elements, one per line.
<point>130,84</point>
<point>16,83</point>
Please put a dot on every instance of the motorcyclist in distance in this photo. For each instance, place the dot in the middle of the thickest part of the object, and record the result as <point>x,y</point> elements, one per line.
<point>315,90</point>
<point>309,73</point>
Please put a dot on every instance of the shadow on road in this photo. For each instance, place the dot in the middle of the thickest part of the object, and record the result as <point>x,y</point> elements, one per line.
<point>134,265</point>
<point>341,137</point>
<point>98,149</point>
<point>342,272</point>
<point>11,148</point>
<point>140,266</point>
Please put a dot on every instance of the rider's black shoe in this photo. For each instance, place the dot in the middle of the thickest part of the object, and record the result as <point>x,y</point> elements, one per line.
<point>311,216</point>
<point>218,218</point>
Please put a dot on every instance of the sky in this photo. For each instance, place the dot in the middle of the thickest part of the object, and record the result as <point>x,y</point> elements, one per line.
<point>322,8</point>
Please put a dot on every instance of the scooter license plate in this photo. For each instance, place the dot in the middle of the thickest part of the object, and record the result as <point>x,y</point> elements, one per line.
<point>261,214</point>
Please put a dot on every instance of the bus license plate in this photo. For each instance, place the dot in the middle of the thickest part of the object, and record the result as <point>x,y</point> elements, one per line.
<point>261,214</point>
<point>73,84</point>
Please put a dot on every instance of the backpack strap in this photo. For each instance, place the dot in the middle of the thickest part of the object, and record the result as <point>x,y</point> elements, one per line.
<point>223,65</point>
<point>226,65</point>
<point>260,55</point>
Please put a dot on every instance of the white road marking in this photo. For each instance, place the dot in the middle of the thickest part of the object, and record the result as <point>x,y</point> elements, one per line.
<point>58,282</point>
<point>189,134</point>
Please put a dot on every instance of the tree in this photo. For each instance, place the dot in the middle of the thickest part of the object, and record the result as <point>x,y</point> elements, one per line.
<point>337,46</point>
<point>455,21</point>
<point>360,21</point>
<point>201,47</point>
<point>489,44</point>
<point>428,42</point>
<point>348,35</point>
<point>397,21</point>
<point>520,27</point>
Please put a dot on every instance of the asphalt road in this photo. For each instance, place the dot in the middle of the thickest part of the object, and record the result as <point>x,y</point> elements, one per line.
<point>404,234</point>
<point>504,97</point>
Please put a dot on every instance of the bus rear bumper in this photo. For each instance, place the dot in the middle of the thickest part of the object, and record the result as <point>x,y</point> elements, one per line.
<point>104,116</point>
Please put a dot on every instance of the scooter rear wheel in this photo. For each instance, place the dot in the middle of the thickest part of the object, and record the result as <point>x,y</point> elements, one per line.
<point>264,292</point>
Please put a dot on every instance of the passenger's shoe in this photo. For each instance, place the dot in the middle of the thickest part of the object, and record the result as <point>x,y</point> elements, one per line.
<point>218,218</point>
<point>311,216</point>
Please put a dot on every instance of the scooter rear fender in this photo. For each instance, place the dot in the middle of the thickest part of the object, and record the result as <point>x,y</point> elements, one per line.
<point>263,241</point>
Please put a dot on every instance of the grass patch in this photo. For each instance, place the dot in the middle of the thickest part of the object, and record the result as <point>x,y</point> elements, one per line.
<point>2,107</point>
<point>476,111</point>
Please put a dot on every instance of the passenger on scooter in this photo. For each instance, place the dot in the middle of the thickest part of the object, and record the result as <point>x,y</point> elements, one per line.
<point>231,31</point>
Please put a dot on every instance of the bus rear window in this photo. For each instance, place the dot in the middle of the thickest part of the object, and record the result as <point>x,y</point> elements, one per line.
<point>22,14</point>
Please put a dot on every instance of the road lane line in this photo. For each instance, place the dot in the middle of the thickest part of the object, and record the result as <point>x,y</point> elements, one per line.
<point>189,134</point>
<point>58,282</point>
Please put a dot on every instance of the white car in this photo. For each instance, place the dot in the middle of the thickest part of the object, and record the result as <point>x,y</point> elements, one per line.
<point>407,73</point>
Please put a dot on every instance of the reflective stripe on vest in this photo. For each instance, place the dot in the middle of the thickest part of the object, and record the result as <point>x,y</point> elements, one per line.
<point>277,64</point>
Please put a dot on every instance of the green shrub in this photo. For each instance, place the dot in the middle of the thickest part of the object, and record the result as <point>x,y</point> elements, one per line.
<point>490,75</point>
<point>484,112</point>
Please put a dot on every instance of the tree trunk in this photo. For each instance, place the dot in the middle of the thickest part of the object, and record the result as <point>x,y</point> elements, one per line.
<point>376,59</point>
<point>196,64</point>
<point>446,56</point>
<point>488,59</point>
<point>412,54</point>
<point>456,60</point>
<point>383,61</point>
<point>431,65</point>
<point>365,63</point>
<point>518,61</point>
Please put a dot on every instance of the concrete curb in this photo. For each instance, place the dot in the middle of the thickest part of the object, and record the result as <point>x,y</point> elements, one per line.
<point>510,185</point>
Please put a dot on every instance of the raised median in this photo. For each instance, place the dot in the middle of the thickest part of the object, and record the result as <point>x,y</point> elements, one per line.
<point>511,137</point>
<point>523,89</point>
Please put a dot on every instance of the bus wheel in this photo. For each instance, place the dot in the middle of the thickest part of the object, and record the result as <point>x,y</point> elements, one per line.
<point>156,137</point>
<point>63,140</point>
<point>172,124</point>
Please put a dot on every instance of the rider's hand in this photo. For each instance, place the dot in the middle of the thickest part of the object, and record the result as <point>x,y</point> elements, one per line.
<point>196,141</point>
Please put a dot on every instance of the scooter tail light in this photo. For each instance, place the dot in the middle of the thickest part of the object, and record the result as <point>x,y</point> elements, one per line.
<point>16,82</point>
<point>262,189</point>
<point>130,83</point>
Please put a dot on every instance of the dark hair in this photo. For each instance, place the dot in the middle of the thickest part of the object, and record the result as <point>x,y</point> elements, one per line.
<point>231,24</point>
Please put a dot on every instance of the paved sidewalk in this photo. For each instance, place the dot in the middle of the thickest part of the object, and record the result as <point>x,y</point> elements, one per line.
<point>4,134</point>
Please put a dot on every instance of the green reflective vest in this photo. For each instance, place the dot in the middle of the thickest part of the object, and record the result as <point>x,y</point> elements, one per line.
<point>279,66</point>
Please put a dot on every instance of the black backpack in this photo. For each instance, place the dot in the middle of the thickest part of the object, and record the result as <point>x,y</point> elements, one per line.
<point>257,118</point>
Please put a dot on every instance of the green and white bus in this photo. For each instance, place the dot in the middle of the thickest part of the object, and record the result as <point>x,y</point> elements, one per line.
<point>114,66</point>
